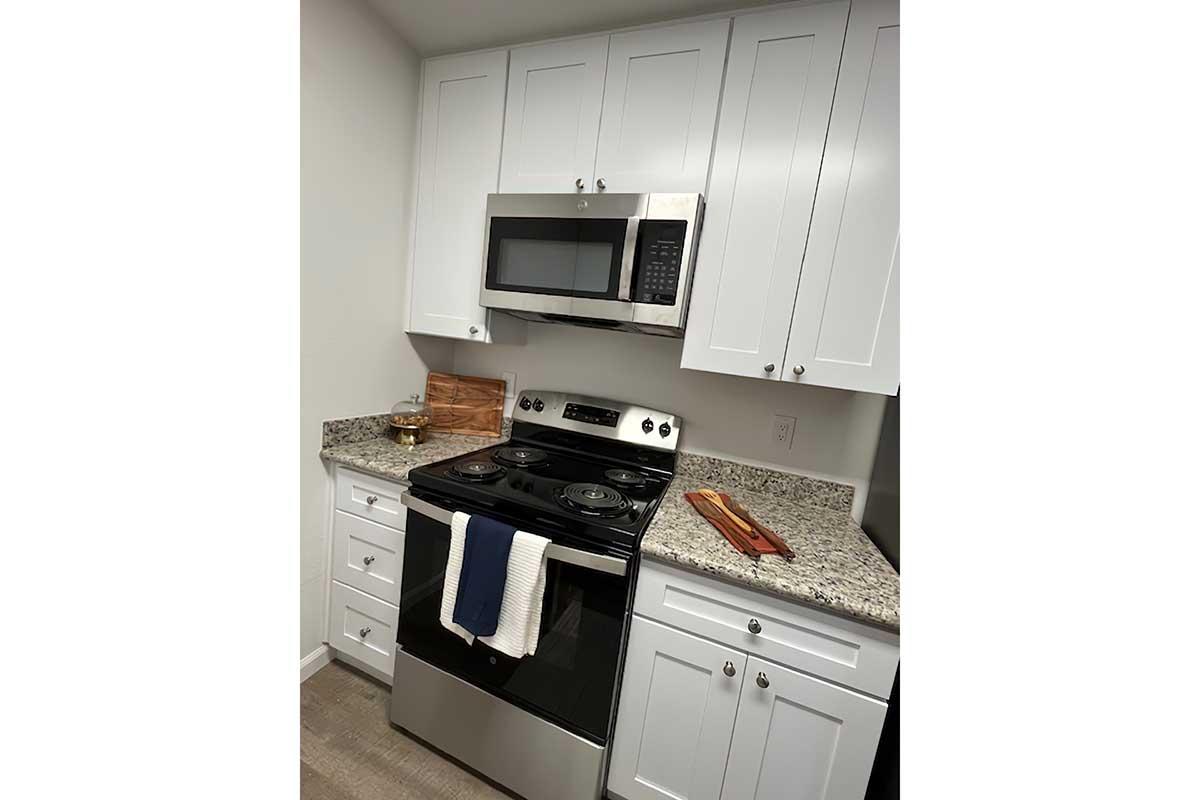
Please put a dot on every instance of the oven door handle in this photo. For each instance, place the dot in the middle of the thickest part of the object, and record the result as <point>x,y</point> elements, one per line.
<point>569,555</point>
<point>625,287</point>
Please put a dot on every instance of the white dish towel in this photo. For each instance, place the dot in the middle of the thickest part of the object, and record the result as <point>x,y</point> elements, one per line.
<point>458,538</point>
<point>520,620</point>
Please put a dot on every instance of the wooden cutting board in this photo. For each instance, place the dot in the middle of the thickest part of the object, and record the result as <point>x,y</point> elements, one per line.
<point>463,404</point>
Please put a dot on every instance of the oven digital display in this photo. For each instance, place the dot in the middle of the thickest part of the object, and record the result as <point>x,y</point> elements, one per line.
<point>593,414</point>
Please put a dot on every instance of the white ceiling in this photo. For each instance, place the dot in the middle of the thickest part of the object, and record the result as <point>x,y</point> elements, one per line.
<point>446,26</point>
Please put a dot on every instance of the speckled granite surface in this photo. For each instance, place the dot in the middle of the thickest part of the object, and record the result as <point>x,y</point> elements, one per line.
<point>735,477</point>
<point>361,429</point>
<point>837,568</point>
<point>353,429</point>
<point>383,457</point>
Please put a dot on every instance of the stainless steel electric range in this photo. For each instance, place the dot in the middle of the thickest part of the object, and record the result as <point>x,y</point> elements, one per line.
<point>588,474</point>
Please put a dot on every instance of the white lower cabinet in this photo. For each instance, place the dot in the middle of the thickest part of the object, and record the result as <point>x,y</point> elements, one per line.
<point>367,556</point>
<point>363,627</point>
<point>367,563</point>
<point>679,698</point>
<point>703,720</point>
<point>800,738</point>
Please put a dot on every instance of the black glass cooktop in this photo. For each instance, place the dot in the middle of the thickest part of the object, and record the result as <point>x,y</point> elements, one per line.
<point>547,480</point>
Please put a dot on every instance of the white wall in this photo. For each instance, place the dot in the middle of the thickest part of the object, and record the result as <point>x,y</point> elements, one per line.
<point>836,431</point>
<point>357,146</point>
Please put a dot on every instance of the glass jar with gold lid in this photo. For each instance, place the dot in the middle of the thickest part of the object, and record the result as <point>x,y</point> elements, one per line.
<point>410,418</point>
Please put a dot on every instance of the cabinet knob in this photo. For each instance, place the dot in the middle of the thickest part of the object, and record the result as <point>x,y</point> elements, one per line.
<point>762,681</point>
<point>754,626</point>
<point>579,183</point>
<point>362,633</point>
<point>600,184</point>
<point>371,499</point>
<point>367,560</point>
<point>798,369</point>
<point>729,669</point>
<point>768,368</point>
<point>474,329</point>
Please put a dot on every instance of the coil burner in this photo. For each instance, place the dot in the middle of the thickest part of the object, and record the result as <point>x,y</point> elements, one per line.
<point>594,500</point>
<point>476,471</point>
<point>521,456</point>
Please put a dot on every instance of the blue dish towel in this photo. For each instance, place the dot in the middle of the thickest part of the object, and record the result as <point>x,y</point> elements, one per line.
<point>484,571</point>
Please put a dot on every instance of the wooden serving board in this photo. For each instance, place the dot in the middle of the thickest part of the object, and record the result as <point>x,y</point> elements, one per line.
<point>463,404</point>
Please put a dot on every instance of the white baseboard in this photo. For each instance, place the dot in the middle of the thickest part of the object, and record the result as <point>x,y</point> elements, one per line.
<point>314,661</point>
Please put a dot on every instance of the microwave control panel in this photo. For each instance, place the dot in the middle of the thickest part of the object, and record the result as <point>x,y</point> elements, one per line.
<point>659,256</point>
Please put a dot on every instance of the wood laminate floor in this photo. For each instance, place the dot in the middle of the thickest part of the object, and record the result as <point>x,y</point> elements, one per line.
<point>349,751</point>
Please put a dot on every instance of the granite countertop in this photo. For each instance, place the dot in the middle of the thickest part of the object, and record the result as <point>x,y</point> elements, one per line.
<point>836,569</point>
<point>362,443</point>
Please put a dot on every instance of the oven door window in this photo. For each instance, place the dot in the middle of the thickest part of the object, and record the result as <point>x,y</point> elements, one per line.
<point>571,677</point>
<point>564,257</point>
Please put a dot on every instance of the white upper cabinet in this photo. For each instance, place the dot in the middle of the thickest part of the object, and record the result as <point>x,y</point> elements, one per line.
<point>800,738</point>
<point>632,112</point>
<point>846,328</point>
<point>462,117</point>
<point>553,116</point>
<point>660,108</point>
<point>779,87</point>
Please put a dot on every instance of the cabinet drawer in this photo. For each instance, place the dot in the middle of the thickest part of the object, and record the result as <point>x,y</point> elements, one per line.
<point>363,627</point>
<point>372,498</point>
<point>367,556</point>
<point>812,641</point>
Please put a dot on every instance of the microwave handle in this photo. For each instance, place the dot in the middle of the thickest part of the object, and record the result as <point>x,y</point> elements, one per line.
<point>625,287</point>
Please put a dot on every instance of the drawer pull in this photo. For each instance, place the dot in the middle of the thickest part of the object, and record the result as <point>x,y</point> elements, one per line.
<point>362,632</point>
<point>754,626</point>
<point>371,499</point>
<point>367,560</point>
<point>762,681</point>
<point>729,669</point>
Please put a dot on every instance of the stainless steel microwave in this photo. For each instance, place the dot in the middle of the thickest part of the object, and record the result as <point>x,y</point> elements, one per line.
<point>619,261</point>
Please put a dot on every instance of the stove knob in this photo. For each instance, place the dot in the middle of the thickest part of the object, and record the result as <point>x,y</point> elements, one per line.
<point>647,425</point>
<point>664,430</point>
<point>538,405</point>
<point>525,404</point>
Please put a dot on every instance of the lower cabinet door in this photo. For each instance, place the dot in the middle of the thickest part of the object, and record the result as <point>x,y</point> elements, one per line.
<point>800,738</point>
<point>679,697</point>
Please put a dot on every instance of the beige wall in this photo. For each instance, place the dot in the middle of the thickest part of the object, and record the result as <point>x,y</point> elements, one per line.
<point>357,135</point>
<point>836,431</point>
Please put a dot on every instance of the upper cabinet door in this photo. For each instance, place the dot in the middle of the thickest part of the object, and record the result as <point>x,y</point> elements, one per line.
<point>553,116</point>
<point>799,738</point>
<point>660,108</point>
<point>846,331</point>
<point>462,117</point>
<point>775,110</point>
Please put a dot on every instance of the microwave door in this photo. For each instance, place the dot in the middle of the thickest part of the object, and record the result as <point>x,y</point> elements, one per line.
<point>561,266</point>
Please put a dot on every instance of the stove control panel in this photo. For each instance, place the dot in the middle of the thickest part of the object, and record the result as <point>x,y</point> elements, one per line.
<point>593,414</point>
<point>608,419</point>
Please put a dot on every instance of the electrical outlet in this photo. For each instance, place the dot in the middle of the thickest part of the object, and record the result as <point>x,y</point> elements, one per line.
<point>782,430</point>
<point>510,383</point>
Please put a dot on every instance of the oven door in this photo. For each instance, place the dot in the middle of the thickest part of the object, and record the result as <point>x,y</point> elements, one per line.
<point>570,255</point>
<point>569,680</point>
